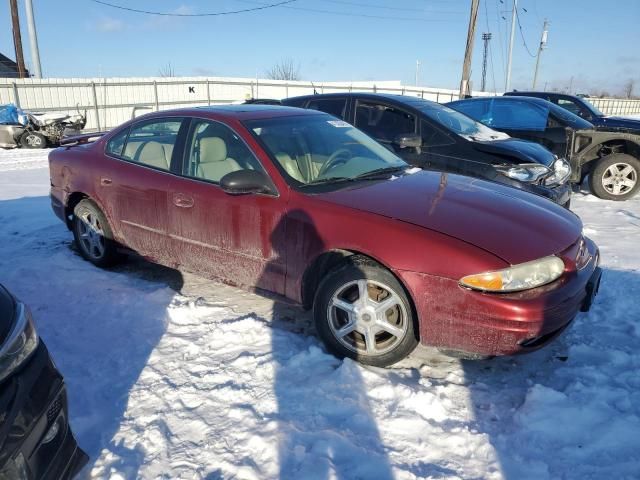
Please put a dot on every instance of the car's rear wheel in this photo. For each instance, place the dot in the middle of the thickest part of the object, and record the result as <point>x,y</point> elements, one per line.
<point>33,140</point>
<point>93,235</point>
<point>361,311</point>
<point>615,177</point>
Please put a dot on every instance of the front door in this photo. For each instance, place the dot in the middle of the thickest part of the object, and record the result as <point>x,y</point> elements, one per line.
<point>231,237</point>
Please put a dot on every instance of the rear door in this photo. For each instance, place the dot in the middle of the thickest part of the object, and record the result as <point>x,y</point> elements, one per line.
<point>132,184</point>
<point>230,237</point>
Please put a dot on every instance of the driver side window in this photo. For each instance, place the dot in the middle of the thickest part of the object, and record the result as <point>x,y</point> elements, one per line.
<point>382,122</point>
<point>215,150</point>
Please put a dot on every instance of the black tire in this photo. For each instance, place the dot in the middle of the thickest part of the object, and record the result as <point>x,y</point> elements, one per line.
<point>85,214</point>
<point>33,140</point>
<point>603,173</point>
<point>377,279</point>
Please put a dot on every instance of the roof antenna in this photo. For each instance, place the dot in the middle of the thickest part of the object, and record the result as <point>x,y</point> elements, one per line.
<point>315,92</point>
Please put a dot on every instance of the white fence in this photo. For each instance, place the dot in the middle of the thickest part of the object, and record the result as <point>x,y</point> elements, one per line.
<point>616,106</point>
<point>111,101</point>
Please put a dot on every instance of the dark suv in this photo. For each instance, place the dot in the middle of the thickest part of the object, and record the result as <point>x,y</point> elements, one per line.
<point>433,136</point>
<point>584,109</point>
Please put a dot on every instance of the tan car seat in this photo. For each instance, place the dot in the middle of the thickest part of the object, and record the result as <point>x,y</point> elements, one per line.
<point>214,163</point>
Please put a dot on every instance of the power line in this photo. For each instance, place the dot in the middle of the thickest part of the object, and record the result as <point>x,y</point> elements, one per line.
<point>359,15</point>
<point>214,14</point>
<point>524,42</point>
<point>385,7</point>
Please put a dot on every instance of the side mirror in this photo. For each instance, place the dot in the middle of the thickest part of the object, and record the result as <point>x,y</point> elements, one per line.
<point>408,140</point>
<point>243,182</point>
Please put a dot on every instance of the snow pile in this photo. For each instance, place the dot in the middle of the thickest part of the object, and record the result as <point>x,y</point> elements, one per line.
<point>174,376</point>
<point>23,159</point>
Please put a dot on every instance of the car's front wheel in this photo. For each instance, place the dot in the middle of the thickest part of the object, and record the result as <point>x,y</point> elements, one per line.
<point>33,140</point>
<point>93,235</point>
<point>615,177</point>
<point>361,311</point>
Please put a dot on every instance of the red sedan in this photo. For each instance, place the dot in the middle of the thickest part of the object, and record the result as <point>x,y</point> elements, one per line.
<point>305,206</point>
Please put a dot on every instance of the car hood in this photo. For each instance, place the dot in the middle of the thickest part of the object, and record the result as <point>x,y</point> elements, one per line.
<point>523,150</point>
<point>7,313</point>
<point>619,122</point>
<point>512,225</point>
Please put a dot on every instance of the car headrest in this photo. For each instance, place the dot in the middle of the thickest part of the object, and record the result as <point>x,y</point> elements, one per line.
<point>212,149</point>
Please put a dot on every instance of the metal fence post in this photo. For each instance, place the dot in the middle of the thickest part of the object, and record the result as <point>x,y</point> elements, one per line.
<point>437,97</point>
<point>95,105</point>
<point>374,88</point>
<point>16,98</point>
<point>286,90</point>
<point>208,93</point>
<point>155,95</point>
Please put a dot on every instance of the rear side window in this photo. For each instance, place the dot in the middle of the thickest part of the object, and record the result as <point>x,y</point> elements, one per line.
<point>116,144</point>
<point>151,143</point>
<point>382,122</point>
<point>332,106</point>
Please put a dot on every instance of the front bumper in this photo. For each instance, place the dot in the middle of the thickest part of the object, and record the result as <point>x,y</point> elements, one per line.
<point>455,318</point>
<point>560,194</point>
<point>36,441</point>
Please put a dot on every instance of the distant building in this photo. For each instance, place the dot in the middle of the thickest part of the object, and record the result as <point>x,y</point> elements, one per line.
<point>9,68</point>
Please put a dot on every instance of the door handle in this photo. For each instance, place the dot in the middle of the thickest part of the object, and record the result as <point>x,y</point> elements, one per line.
<point>105,182</point>
<point>182,201</point>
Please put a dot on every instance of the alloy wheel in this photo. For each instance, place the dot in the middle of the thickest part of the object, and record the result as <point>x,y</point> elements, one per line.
<point>34,140</point>
<point>619,178</point>
<point>91,235</point>
<point>367,317</point>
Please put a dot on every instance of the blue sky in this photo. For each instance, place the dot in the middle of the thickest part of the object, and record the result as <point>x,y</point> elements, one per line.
<point>592,41</point>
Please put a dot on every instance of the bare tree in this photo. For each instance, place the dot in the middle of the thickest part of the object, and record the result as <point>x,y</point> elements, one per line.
<point>628,88</point>
<point>167,70</point>
<point>285,69</point>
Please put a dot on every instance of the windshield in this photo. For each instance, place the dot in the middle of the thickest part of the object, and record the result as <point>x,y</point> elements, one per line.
<point>464,126</point>
<point>592,107</point>
<point>572,120</point>
<point>321,149</point>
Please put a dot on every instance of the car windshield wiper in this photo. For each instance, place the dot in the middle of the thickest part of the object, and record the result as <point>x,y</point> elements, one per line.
<point>380,172</point>
<point>322,181</point>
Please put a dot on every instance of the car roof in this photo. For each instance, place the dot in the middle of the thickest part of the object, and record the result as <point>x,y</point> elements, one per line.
<point>237,112</point>
<point>405,99</point>
<point>541,101</point>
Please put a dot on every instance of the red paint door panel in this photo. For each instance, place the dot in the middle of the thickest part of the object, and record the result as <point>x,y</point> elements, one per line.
<point>232,237</point>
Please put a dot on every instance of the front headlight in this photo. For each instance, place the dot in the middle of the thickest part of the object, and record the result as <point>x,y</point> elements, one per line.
<point>20,344</point>
<point>561,171</point>
<point>527,172</point>
<point>517,277</point>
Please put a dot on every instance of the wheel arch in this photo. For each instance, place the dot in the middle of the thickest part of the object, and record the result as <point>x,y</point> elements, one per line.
<point>330,259</point>
<point>72,200</point>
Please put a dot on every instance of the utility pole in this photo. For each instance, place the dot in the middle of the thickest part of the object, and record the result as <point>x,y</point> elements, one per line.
<point>507,83</point>
<point>417,71</point>
<point>33,39</point>
<point>465,88</point>
<point>17,39</point>
<point>543,44</point>
<point>485,38</point>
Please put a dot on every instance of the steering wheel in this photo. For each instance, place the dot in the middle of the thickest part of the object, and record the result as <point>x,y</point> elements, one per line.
<point>338,157</point>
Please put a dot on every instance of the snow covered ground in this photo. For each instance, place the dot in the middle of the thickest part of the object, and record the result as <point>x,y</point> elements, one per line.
<point>174,376</point>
